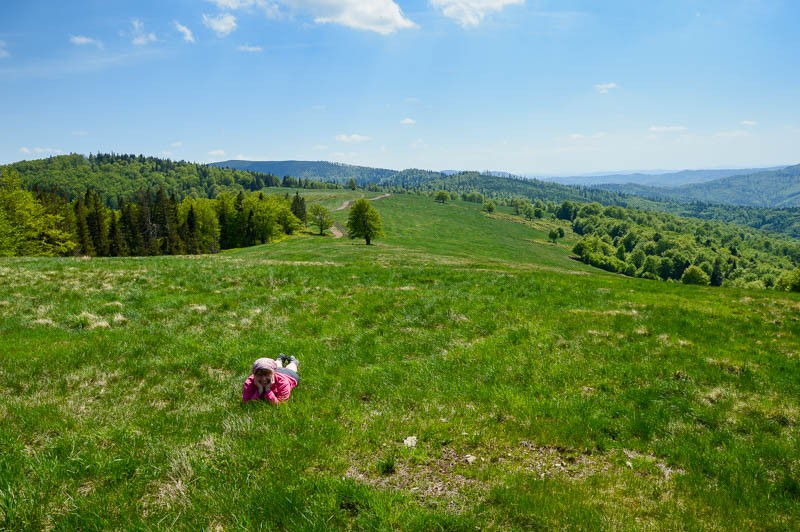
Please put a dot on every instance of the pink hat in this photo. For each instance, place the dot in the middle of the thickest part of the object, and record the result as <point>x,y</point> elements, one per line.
<point>264,363</point>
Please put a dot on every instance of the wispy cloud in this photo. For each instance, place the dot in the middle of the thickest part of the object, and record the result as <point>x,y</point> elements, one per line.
<point>82,40</point>
<point>470,13</point>
<point>667,129</point>
<point>232,4</point>
<point>749,123</point>
<point>176,144</point>
<point>188,36</point>
<point>217,153</point>
<point>80,133</point>
<point>250,49</point>
<point>223,25</point>
<point>269,8</point>
<point>408,121</point>
<point>603,88</point>
<point>40,151</point>
<point>140,36</point>
<point>352,138</point>
<point>381,16</point>
<point>3,50</point>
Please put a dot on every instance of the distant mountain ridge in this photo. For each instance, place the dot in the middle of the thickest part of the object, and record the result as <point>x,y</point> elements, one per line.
<point>659,179</point>
<point>769,189</point>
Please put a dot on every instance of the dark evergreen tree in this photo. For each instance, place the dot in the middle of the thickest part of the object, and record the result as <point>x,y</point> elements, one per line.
<point>84,238</point>
<point>117,246</point>
<point>96,222</point>
<point>298,208</point>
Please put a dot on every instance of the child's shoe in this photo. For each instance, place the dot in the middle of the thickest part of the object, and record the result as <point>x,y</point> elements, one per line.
<point>281,360</point>
<point>293,359</point>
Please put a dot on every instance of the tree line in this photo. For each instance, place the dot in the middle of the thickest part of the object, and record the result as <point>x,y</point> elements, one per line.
<point>666,247</point>
<point>151,222</point>
<point>118,176</point>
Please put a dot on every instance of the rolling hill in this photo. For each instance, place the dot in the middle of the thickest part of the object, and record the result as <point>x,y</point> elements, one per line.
<point>657,179</point>
<point>317,170</point>
<point>766,189</point>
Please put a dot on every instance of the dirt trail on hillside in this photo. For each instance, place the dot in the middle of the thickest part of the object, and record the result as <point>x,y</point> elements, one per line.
<point>338,230</point>
<point>347,203</point>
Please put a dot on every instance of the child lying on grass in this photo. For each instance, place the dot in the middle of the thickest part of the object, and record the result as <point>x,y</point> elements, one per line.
<point>271,380</point>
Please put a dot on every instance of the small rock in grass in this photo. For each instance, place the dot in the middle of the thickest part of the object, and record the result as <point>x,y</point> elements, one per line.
<point>411,441</point>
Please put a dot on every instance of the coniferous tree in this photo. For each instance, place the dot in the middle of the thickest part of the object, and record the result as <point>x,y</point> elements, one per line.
<point>82,234</point>
<point>96,222</point>
<point>299,208</point>
<point>190,232</point>
<point>117,246</point>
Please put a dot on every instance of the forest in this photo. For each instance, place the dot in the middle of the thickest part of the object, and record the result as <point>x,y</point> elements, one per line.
<point>117,176</point>
<point>149,222</point>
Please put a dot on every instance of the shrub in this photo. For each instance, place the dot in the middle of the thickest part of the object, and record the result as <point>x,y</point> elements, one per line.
<point>695,275</point>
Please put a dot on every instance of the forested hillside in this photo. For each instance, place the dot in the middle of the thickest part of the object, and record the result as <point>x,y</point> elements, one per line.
<point>315,170</point>
<point>666,179</point>
<point>769,189</point>
<point>115,176</point>
<point>497,187</point>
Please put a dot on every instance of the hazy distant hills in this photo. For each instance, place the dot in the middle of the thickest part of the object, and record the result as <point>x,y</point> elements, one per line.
<point>766,188</point>
<point>662,179</point>
<point>316,170</point>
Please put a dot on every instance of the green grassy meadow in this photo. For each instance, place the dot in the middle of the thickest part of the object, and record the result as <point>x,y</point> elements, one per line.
<point>543,394</point>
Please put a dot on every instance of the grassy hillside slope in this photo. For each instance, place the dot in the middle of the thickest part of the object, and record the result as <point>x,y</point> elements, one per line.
<point>542,393</point>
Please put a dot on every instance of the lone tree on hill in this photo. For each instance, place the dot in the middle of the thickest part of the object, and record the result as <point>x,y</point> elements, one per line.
<point>442,196</point>
<point>364,221</point>
<point>320,217</point>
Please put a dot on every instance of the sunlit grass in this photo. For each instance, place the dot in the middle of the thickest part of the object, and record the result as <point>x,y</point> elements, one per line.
<point>542,394</point>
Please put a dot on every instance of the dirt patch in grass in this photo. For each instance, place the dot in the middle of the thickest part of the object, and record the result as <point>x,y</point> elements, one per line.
<point>455,480</point>
<point>434,482</point>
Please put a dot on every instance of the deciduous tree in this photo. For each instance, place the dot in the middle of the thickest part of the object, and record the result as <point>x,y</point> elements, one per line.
<point>364,221</point>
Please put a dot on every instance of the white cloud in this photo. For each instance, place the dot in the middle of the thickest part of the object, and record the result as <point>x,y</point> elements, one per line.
<point>217,153</point>
<point>82,40</point>
<point>269,8</point>
<point>140,37</point>
<point>188,36</point>
<point>166,154</point>
<point>749,123</point>
<point>408,121</point>
<point>250,49</point>
<point>3,51</point>
<point>667,129</point>
<point>381,16</point>
<point>40,151</point>
<point>80,133</point>
<point>176,144</point>
<point>320,147</point>
<point>355,137</point>
<point>232,4</point>
<point>222,24</point>
<point>470,13</point>
<point>603,88</point>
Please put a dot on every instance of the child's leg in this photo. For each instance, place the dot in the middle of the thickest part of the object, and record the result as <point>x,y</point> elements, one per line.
<point>292,366</point>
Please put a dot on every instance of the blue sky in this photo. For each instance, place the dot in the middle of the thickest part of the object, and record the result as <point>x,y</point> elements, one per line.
<point>526,86</point>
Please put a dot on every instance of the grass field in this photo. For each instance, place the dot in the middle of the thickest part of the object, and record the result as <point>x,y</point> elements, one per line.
<point>541,393</point>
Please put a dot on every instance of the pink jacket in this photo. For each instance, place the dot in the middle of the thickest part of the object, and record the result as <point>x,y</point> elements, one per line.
<point>278,392</point>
